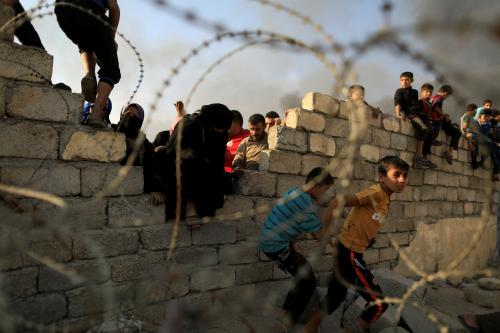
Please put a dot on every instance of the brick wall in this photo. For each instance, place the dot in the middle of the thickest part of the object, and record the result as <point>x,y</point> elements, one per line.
<point>73,268</point>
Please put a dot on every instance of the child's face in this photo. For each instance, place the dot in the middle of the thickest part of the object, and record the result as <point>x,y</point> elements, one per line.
<point>426,94</point>
<point>395,180</point>
<point>487,106</point>
<point>483,119</point>
<point>405,82</point>
<point>357,95</point>
<point>319,191</point>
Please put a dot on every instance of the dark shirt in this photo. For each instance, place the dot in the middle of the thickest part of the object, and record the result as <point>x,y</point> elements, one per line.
<point>102,3</point>
<point>407,99</point>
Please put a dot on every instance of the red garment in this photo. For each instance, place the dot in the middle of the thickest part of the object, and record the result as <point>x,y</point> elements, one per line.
<point>231,148</point>
<point>437,108</point>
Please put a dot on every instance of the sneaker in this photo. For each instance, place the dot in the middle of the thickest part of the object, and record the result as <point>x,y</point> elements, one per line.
<point>89,87</point>
<point>420,163</point>
<point>431,164</point>
<point>448,157</point>
<point>97,122</point>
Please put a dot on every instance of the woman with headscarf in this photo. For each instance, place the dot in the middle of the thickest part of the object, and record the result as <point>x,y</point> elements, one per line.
<point>131,119</point>
<point>203,143</point>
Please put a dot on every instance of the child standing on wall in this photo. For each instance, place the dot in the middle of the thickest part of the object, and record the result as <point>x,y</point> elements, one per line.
<point>370,207</point>
<point>407,106</point>
<point>293,215</point>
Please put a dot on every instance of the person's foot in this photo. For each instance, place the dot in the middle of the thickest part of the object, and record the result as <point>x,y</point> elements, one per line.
<point>436,143</point>
<point>431,164</point>
<point>89,87</point>
<point>97,122</point>
<point>62,86</point>
<point>448,157</point>
<point>420,163</point>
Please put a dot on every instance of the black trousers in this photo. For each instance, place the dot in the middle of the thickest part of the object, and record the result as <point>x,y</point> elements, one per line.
<point>26,33</point>
<point>490,322</point>
<point>453,132</point>
<point>423,130</point>
<point>350,268</point>
<point>299,296</point>
<point>91,35</point>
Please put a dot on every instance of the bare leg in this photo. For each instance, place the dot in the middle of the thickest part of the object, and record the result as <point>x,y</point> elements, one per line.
<point>88,62</point>
<point>103,92</point>
<point>419,148</point>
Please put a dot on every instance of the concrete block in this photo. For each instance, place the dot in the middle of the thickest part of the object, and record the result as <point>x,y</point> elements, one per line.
<point>258,272</point>
<point>44,103</point>
<point>391,123</point>
<point>99,177</point>
<point>285,138</point>
<point>42,308</point>
<point>486,298</point>
<point>307,120</point>
<point>257,183</point>
<point>365,170</point>
<point>310,161</point>
<point>56,178</point>
<point>234,206</point>
<point>110,243</point>
<point>263,207</point>
<point>431,177</point>
<point>369,153</point>
<point>396,285</point>
<point>209,279</point>
<point>86,144</point>
<point>25,63</point>
<point>337,127</point>
<point>406,127</point>
<point>3,97</point>
<point>21,282</point>
<point>6,14</point>
<point>388,253</point>
<point>314,101</point>
<point>398,141</point>
<point>280,161</point>
<point>195,257</point>
<point>146,266</point>
<point>159,237</point>
<point>286,182</point>
<point>322,144</point>
<point>86,272</point>
<point>104,298</point>
<point>28,140</point>
<point>215,233</point>
<point>133,211</point>
<point>46,246</point>
<point>381,138</point>
<point>240,253</point>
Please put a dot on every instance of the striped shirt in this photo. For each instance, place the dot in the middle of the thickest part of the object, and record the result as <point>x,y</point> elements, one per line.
<point>293,214</point>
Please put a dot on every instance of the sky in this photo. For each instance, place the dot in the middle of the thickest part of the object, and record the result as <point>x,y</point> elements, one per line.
<point>260,79</point>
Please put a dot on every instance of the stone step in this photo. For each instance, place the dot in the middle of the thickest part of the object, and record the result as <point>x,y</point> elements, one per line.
<point>40,102</point>
<point>84,179</point>
<point>25,63</point>
<point>42,140</point>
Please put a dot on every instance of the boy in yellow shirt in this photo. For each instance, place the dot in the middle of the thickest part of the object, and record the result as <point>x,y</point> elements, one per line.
<point>370,207</point>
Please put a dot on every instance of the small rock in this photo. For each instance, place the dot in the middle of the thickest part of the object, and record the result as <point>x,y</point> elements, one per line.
<point>489,283</point>
<point>455,281</point>
<point>481,297</point>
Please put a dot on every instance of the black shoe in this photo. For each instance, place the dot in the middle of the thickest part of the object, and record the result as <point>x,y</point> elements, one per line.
<point>448,157</point>
<point>431,164</point>
<point>420,163</point>
<point>89,88</point>
<point>436,143</point>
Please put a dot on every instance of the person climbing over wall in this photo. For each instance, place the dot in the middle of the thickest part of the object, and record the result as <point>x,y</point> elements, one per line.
<point>370,207</point>
<point>293,215</point>
<point>96,42</point>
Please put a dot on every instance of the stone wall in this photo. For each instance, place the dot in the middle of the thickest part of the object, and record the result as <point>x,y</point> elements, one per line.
<point>102,256</point>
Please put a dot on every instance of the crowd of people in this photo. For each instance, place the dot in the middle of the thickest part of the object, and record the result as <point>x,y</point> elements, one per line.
<point>216,149</point>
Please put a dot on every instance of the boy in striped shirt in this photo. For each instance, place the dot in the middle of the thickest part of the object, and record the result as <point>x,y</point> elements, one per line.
<point>294,214</point>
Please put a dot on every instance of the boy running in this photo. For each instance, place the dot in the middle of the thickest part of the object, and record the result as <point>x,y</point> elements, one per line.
<point>293,215</point>
<point>370,207</point>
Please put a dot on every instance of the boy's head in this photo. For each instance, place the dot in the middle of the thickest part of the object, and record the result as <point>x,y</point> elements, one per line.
<point>485,116</point>
<point>256,125</point>
<point>406,79</point>
<point>445,91</point>
<point>318,182</point>
<point>426,91</point>
<point>237,124</point>
<point>393,174</point>
<point>271,118</point>
<point>357,92</point>
<point>471,108</point>
<point>487,104</point>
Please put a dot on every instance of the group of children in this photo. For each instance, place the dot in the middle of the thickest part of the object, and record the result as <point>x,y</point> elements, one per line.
<point>295,214</point>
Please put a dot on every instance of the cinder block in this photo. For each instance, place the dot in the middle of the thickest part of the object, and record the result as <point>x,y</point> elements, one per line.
<point>406,127</point>
<point>86,272</point>
<point>314,101</point>
<point>430,177</point>
<point>102,177</point>
<point>322,144</point>
<point>369,152</point>
<point>28,140</point>
<point>93,244</point>
<point>258,272</point>
<point>57,178</point>
<point>280,161</point>
<point>286,182</point>
<point>215,233</point>
<point>3,97</point>
<point>337,127</point>
<point>195,256</point>
<point>365,170</point>
<point>132,211</point>
<point>210,279</point>
<point>310,162</point>
<point>25,63</point>
<point>21,282</point>
<point>307,120</point>
<point>87,144</point>
<point>381,138</point>
<point>7,13</point>
<point>285,138</point>
<point>382,240</point>
<point>398,141</point>
<point>388,253</point>
<point>44,103</point>
<point>240,253</point>
<point>159,237</point>
<point>257,183</point>
<point>147,266</point>
<point>372,256</point>
<point>391,123</point>
<point>42,308</point>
